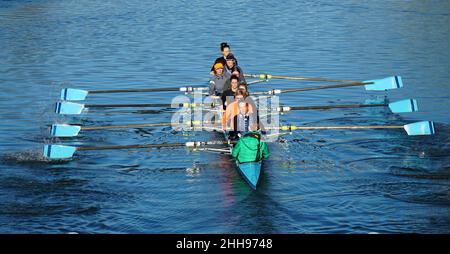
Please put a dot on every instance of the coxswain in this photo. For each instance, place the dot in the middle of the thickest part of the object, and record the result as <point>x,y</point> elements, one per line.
<point>250,147</point>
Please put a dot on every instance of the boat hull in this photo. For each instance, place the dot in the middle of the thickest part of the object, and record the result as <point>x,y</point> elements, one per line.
<point>250,171</point>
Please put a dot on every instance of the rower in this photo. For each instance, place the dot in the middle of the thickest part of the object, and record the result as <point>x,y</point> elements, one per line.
<point>225,49</point>
<point>219,83</point>
<point>232,68</point>
<point>243,86</point>
<point>245,118</point>
<point>250,147</point>
<point>228,119</point>
<point>228,95</point>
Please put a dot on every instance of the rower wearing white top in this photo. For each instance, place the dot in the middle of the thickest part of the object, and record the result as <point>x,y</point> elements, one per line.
<point>245,118</point>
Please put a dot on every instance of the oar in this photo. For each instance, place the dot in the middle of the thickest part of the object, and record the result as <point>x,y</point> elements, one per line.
<point>67,130</point>
<point>72,94</point>
<point>403,106</point>
<point>373,85</point>
<point>257,81</point>
<point>72,108</point>
<point>65,152</point>
<point>418,128</point>
<point>269,76</point>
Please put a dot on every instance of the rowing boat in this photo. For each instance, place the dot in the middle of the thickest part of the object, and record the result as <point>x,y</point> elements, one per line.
<point>250,171</point>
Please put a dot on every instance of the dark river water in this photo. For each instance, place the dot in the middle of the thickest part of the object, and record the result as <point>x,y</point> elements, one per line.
<point>321,181</point>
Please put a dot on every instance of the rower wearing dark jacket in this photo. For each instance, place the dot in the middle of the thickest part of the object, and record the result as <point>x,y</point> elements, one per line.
<point>225,49</point>
<point>233,68</point>
<point>228,95</point>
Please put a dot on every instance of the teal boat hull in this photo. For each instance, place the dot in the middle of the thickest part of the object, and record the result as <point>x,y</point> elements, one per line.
<point>250,171</point>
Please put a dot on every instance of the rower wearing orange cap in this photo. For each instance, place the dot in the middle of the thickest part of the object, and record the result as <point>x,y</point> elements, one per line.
<point>219,83</point>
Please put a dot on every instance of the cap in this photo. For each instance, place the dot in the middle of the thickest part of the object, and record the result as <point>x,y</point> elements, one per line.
<point>218,66</point>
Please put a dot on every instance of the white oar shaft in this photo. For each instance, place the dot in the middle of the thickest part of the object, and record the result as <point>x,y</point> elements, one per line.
<point>192,123</point>
<point>187,144</point>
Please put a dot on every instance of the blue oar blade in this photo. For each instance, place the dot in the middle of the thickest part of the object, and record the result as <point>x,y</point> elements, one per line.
<point>68,108</point>
<point>64,130</point>
<point>58,151</point>
<point>403,106</point>
<point>420,128</point>
<point>393,82</point>
<point>70,94</point>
